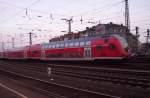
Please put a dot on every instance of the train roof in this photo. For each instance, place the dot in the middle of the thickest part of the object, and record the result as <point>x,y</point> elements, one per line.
<point>15,49</point>
<point>87,38</point>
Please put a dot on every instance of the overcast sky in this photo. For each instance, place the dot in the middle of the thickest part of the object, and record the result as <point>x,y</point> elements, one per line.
<point>43,17</point>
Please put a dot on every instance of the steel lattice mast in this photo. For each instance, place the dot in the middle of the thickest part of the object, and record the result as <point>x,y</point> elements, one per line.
<point>127,19</point>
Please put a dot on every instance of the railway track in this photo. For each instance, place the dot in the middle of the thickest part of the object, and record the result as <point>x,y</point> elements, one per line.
<point>135,63</point>
<point>54,90</point>
<point>138,82</point>
<point>140,59</point>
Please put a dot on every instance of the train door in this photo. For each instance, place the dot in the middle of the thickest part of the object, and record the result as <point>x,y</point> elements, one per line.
<point>25,54</point>
<point>87,52</point>
<point>43,54</point>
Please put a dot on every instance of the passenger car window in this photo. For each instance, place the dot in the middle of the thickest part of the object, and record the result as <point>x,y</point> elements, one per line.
<point>76,44</point>
<point>53,46</point>
<point>81,43</point>
<point>67,44</point>
<point>71,44</point>
<point>57,45</point>
<point>88,43</point>
<point>49,46</point>
<point>62,45</point>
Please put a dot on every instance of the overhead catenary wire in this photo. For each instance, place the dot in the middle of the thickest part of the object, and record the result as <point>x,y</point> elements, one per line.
<point>34,10</point>
<point>52,14</point>
<point>11,17</point>
<point>141,21</point>
<point>97,10</point>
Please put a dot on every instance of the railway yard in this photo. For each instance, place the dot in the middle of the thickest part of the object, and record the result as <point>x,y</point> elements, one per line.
<point>39,79</point>
<point>102,54</point>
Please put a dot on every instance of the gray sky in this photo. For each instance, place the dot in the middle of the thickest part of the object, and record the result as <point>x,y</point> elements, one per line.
<point>43,17</point>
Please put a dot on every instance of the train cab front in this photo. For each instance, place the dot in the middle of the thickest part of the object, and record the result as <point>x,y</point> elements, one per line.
<point>109,48</point>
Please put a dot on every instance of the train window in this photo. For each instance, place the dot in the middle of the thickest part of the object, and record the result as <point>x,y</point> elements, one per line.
<point>81,43</point>
<point>53,46</point>
<point>71,44</point>
<point>61,45</point>
<point>88,43</point>
<point>112,46</point>
<point>49,46</point>
<point>66,44</point>
<point>46,46</point>
<point>98,48</point>
<point>57,45</point>
<point>76,44</point>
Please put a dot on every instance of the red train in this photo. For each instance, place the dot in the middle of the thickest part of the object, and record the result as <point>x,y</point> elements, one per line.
<point>103,41</point>
<point>87,48</point>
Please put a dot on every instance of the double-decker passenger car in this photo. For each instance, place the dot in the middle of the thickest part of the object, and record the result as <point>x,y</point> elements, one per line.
<point>88,48</point>
<point>16,53</point>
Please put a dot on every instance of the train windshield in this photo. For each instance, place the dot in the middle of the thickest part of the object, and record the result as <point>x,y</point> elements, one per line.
<point>122,40</point>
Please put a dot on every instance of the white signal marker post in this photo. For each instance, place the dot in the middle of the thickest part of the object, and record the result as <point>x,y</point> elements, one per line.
<point>49,72</point>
